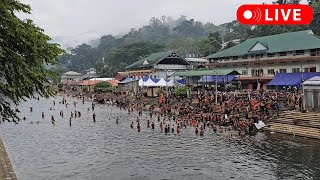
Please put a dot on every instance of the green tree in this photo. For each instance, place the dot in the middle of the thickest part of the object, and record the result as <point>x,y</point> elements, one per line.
<point>182,45</point>
<point>210,45</point>
<point>182,91</point>
<point>24,51</point>
<point>58,70</point>
<point>103,87</point>
<point>229,45</point>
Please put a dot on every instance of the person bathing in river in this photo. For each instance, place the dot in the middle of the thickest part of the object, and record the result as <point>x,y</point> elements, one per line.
<point>152,125</point>
<point>131,125</point>
<point>53,121</point>
<point>61,113</point>
<point>94,117</point>
<point>117,121</point>
<point>42,115</point>
<point>138,127</point>
<point>148,124</point>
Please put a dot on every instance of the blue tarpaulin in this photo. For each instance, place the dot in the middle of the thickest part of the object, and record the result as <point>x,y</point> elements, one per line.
<point>291,79</point>
<point>220,79</point>
<point>127,80</point>
<point>181,81</point>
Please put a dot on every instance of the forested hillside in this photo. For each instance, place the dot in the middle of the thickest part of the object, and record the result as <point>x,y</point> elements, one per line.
<point>165,33</point>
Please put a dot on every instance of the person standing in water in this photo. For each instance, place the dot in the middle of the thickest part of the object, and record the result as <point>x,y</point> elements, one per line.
<point>31,109</point>
<point>138,127</point>
<point>70,122</point>
<point>152,125</point>
<point>61,113</point>
<point>53,121</point>
<point>131,125</point>
<point>42,115</point>
<point>148,124</point>
<point>117,121</point>
<point>94,117</point>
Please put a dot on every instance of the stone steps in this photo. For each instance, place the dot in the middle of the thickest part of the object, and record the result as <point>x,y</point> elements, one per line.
<point>295,130</point>
<point>297,123</point>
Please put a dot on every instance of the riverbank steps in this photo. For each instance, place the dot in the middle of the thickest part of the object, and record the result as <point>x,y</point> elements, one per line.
<point>6,169</point>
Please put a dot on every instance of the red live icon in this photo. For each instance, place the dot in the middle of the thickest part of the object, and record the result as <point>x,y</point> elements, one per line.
<point>275,14</point>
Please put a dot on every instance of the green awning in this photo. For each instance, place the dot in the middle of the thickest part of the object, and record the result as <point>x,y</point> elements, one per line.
<point>203,73</point>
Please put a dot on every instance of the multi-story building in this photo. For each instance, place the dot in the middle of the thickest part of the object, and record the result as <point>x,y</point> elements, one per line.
<point>70,76</point>
<point>158,65</point>
<point>259,59</point>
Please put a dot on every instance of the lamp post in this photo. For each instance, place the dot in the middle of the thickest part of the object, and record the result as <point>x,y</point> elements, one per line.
<point>167,84</point>
<point>303,95</point>
<point>216,88</point>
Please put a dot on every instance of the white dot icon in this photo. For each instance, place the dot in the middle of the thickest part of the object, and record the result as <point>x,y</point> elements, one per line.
<point>247,14</point>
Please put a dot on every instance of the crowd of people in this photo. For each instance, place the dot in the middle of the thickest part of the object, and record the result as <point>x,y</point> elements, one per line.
<point>229,112</point>
<point>234,112</point>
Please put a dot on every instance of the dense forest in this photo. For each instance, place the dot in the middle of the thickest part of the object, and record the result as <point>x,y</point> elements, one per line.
<point>110,54</point>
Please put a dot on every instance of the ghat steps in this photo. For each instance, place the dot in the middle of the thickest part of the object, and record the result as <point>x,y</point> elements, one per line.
<point>297,124</point>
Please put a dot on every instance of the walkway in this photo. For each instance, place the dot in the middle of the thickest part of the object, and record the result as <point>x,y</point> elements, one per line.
<point>6,169</point>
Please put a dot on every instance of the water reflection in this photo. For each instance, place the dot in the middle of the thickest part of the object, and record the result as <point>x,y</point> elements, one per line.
<point>103,150</point>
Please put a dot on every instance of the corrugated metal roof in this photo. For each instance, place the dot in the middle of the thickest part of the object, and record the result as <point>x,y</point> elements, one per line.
<point>301,40</point>
<point>202,73</point>
<point>152,59</point>
<point>72,73</point>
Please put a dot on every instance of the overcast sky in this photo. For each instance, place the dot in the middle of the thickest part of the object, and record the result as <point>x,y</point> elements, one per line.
<point>67,20</point>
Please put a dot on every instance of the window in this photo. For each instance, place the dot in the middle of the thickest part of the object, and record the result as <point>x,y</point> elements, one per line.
<point>252,56</point>
<point>257,72</point>
<point>313,52</point>
<point>235,57</point>
<point>261,55</point>
<point>300,52</point>
<point>283,53</point>
<point>270,71</point>
<point>313,69</point>
<point>283,70</point>
<point>270,54</point>
<point>245,57</point>
<point>295,70</point>
<point>244,72</point>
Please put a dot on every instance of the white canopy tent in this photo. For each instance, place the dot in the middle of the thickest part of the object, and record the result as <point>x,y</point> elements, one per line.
<point>161,83</point>
<point>149,83</point>
<point>141,82</point>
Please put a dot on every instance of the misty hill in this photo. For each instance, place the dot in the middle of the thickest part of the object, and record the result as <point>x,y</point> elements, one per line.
<point>110,54</point>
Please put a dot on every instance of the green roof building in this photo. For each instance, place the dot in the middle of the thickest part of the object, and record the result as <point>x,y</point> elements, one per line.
<point>259,59</point>
<point>158,65</point>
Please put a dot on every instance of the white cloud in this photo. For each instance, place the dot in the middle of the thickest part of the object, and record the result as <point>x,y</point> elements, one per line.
<point>86,19</point>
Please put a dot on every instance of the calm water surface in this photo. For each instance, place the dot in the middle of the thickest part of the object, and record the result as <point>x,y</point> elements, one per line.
<point>103,150</point>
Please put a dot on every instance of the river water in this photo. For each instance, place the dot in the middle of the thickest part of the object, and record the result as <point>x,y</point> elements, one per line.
<point>103,150</point>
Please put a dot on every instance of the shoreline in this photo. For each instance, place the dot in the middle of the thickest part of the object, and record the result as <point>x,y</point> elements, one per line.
<point>6,169</point>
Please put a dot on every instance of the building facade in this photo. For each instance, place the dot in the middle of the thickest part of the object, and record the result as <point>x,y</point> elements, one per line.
<point>259,59</point>
<point>158,65</point>
<point>70,76</point>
